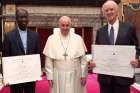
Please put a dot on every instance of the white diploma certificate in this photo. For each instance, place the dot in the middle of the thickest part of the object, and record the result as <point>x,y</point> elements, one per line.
<point>20,69</point>
<point>113,60</point>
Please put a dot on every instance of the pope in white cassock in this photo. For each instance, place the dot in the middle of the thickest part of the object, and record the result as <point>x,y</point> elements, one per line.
<point>66,63</point>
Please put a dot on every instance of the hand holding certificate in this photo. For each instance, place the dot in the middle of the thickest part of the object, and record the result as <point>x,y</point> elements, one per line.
<point>114,60</point>
<point>20,69</point>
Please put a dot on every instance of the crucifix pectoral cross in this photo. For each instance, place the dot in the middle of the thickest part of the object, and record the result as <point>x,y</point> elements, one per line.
<point>65,55</point>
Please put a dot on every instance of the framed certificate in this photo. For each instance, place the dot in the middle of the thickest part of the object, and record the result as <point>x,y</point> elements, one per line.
<point>20,69</point>
<point>114,60</point>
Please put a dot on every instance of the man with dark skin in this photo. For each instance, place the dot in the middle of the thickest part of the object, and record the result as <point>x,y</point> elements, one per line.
<point>21,41</point>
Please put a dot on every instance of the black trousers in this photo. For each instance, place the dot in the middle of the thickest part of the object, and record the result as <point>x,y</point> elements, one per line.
<point>113,87</point>
<point>26,87</point>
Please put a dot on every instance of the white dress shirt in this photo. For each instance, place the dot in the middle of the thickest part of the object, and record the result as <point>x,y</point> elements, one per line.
<point>23,36</point>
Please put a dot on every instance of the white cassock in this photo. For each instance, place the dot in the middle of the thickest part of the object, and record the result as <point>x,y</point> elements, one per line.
<point>65,71</point>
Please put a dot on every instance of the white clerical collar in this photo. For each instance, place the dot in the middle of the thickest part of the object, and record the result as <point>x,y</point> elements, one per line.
<point>64,37</point>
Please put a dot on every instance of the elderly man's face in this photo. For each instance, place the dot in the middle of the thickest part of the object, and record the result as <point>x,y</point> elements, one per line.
<point>110,12</point>
<point>65,26</point>
<point>22,20</point>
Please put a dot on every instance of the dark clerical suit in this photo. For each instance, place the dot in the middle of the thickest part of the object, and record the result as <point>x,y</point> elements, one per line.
<point>126,36</point>
<point>13,46</point>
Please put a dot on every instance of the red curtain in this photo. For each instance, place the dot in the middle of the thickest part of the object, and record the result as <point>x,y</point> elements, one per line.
<point>44,33</point>
<point>87,35</point>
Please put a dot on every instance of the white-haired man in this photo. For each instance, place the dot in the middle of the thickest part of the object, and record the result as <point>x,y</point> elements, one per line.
<point>115,33</point>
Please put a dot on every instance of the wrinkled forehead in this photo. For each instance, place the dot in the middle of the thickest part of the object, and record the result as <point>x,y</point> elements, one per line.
<point>109,5</point>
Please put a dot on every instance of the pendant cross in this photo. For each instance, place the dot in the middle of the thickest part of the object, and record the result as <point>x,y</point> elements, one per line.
<point>65,55</point>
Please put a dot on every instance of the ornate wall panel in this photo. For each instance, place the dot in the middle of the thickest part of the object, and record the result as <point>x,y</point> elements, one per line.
<point>126,2</point>
<point>50,20</point>
<point>48,15</point>
<point>132,15</point>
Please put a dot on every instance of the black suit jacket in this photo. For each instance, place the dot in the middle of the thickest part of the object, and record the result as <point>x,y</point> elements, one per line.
<point>12,44</point>
<point>126,36</point>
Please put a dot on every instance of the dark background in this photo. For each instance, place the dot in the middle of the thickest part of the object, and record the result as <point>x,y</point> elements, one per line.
<point>59,2</point>
<point>0,27</point>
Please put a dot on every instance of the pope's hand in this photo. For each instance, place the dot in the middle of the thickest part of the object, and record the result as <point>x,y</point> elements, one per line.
<point>50,83</point>
<point>83,81</point>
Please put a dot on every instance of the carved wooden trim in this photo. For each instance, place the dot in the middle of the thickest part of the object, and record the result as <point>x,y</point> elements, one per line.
<point>83,20</point>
